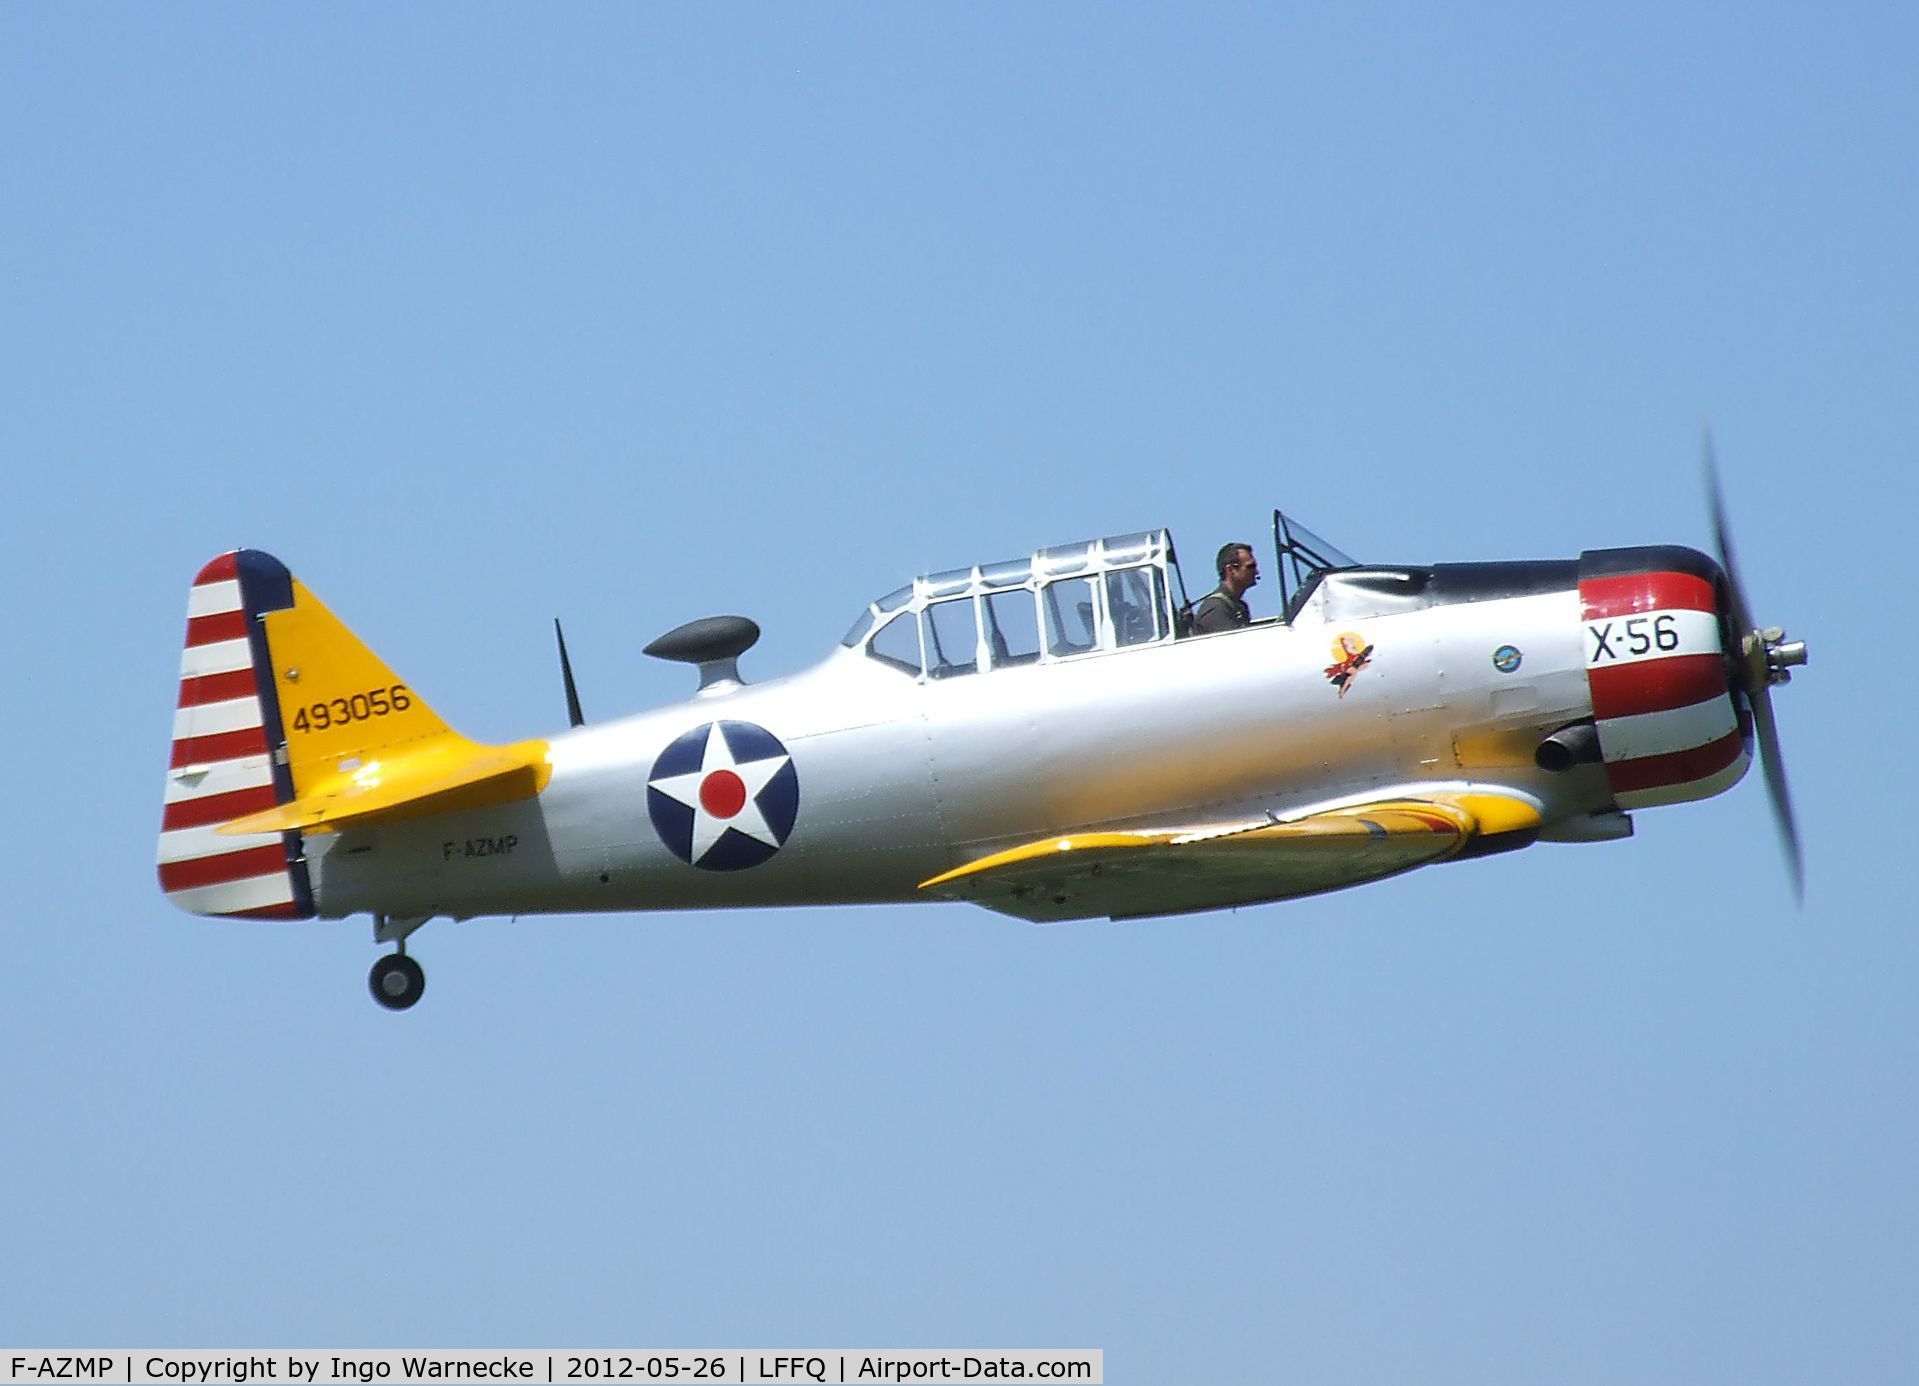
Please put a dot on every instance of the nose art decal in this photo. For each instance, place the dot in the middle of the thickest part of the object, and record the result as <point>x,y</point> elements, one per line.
<point>1350,655</point>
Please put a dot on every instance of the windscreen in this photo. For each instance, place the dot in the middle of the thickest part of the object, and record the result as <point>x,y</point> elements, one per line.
<point>1302,555</point>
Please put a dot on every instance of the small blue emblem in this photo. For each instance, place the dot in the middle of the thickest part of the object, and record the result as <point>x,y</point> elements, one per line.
<point>1506,658</point>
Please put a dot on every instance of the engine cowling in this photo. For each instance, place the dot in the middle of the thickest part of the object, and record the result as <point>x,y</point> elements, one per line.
<point>1671,726</point>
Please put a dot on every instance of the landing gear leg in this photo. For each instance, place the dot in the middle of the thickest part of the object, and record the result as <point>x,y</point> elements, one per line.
<point>396,981</point>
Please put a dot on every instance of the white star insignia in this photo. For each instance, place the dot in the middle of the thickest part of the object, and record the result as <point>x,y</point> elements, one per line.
<point>708,827</point>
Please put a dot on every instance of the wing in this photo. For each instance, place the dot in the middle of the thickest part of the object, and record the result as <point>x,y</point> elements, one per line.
<point>1131,874</point>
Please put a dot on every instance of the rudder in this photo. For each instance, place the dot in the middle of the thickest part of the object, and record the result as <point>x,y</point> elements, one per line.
<point>226,730</point>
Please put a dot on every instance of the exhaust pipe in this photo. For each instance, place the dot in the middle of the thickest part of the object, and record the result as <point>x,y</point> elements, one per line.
<point>1567,747</point>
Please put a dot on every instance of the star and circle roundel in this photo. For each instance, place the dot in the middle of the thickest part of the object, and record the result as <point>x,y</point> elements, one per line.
<point>724,796</point>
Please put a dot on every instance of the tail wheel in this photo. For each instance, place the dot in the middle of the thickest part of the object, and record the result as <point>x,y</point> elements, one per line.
<point>396,981</point>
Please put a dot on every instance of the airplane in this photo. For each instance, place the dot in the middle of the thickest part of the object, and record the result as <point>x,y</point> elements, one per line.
<point>1045,737</point>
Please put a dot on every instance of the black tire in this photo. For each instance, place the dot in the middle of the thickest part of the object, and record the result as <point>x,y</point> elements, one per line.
<point>396,981</point>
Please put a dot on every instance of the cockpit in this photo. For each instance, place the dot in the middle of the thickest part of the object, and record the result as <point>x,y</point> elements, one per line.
<point>1063,603</point>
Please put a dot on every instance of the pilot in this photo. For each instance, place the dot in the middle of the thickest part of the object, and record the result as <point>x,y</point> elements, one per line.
<point>1224,608</point>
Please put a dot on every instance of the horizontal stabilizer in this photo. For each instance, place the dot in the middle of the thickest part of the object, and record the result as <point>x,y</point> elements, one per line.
<point>444,774</point>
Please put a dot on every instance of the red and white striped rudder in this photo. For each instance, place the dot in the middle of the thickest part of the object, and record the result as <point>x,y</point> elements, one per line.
<point>229,752</point>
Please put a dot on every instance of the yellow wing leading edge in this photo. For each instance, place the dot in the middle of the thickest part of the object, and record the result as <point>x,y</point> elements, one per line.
<point>1127,874</point>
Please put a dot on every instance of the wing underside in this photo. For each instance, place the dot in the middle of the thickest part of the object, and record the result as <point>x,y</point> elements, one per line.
<point>1125,874</point>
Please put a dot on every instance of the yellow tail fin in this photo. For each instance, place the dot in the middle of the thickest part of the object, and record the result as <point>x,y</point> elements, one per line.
<point>339,700</point>
<point>361,744</point>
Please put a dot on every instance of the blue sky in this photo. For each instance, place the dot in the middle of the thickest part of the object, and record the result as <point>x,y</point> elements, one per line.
<point>477,315</point>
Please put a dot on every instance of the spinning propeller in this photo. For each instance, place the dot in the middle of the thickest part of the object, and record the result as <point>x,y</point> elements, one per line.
<point>1760,659</point>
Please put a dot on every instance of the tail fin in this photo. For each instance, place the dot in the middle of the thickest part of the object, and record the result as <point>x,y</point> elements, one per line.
<point>289,724</point>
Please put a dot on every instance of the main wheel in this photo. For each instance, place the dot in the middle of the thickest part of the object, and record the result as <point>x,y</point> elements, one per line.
<point>396,981</point>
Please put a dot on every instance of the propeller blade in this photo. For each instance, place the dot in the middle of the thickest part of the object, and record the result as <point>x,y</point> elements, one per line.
<point>1722,534</point>
<point>1752,665</point>
<point>573,713</point>
<point>1774,762</point>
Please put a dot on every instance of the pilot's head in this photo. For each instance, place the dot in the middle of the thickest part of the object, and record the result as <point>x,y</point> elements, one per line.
<point>1238,569</point>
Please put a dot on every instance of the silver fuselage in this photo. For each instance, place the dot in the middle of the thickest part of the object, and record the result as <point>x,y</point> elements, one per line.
<point>901,778</point>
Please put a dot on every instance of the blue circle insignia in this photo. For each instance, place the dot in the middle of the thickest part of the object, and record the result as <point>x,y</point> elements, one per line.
<point>723,796</point>
<point>1506,658</point>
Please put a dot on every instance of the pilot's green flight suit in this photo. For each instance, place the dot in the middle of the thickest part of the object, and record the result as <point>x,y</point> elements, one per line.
<point>1219,610</point>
